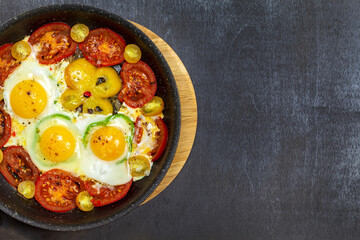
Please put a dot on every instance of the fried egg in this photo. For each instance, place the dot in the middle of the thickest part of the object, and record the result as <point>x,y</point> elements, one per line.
<point>54,142</point>
<point>29,92</point>
<point>108,145</point>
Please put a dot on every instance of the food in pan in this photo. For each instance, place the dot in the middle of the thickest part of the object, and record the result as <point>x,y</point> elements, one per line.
<point>80,121</point>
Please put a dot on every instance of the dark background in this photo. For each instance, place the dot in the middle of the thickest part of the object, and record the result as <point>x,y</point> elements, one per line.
<point>276,154</point>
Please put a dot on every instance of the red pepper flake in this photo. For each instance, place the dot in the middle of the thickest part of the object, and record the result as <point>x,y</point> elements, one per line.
<point>50,69</point>
<point>87,94</point>
<point>13,134</point>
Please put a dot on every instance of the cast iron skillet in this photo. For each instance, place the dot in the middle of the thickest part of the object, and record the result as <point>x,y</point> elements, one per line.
<point>29,211</point>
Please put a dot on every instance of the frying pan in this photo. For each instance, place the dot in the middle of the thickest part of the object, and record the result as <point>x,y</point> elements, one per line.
<point>29,211</point>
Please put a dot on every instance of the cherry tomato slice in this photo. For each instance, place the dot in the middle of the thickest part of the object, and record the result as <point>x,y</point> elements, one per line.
<point>56,190</point>
<point>21,50</point>
<point>161,139</point>
<point>5,127</point>
<point>54,42</point>
<point>104,194</point>
<point>139,165</point>
<point>83,201</point>
<point>7,62</point>
<point>138,131</point>
<point>27,189</point>
<point>154,107</point>
<point>17,166</point>
<point>103,47</point>
<point>132,53</point>
<point>139,84</point>
<point>79,32</point>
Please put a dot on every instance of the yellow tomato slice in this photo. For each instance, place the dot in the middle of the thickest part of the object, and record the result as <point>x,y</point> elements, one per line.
<point>20,50</point>
<point>27,189</point>
<point>132,53</point>
<point>154,107</point>
<point>79,32</point>
<point>139,165</point>
<point>83,201</point>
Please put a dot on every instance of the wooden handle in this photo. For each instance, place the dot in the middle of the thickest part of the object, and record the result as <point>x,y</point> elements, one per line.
<point>188,110</point>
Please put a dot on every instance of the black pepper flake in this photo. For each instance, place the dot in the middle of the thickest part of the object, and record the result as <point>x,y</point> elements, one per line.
<point>79,109</point>
<point>100,80</point>
<point>98,109</point>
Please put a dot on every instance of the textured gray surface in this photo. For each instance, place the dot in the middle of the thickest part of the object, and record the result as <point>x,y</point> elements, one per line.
<point>276,154</point>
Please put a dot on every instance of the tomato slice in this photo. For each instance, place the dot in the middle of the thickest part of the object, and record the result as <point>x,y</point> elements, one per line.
<point>17,166</point>
<point>7,62</point>
<point>5,126</point>
<point>53,42</point>
<point>104,194</point>
<point>139,84</point>
<point>138,132</point>
<point>56,190</point>
<point>103,47</point>
<point>161,139</point>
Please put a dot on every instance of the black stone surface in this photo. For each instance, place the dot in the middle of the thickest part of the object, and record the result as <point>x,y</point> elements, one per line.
<point>276,154</point>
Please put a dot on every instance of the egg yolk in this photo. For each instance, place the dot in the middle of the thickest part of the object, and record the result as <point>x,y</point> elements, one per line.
<point>28,99</point>
<point>108,143</point>
<point>57,144</point>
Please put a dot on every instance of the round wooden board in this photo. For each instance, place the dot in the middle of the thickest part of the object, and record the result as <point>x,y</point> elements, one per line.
<point>188,110</point>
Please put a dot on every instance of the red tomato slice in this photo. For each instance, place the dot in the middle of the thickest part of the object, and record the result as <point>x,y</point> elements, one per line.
<point>138,131</point>
<point>161,139</point>
<point>54,42</point>
<point>56,190</point>
<point>139,84</point>
<point>104,194</point>
<point>5,126</point>
<point>103,47</point>
<point>7,62</point>
<point>17,166</point>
